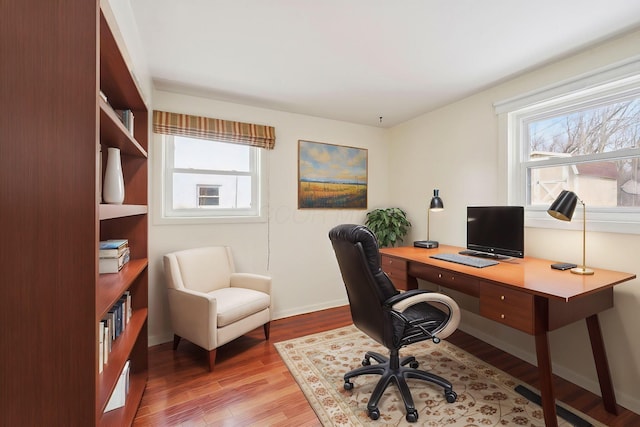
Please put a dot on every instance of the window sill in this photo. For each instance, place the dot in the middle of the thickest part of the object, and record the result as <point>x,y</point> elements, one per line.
<point>623,223</point>
<point>160,220</point>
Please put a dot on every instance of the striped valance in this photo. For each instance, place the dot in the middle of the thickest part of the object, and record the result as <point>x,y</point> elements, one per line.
<point>215,129</point>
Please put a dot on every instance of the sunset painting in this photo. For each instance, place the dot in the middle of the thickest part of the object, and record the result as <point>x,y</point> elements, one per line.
<point>331,176</point>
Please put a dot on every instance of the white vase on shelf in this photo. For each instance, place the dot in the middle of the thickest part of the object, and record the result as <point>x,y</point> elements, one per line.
<point>113,186</point>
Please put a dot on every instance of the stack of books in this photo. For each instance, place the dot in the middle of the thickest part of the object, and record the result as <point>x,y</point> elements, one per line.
<point>113,254</point>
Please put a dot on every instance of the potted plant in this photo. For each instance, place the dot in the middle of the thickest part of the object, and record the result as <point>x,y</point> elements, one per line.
<point>390,225</point>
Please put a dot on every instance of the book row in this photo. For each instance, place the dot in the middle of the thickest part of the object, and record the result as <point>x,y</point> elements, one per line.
<point>111,327</point>
<point>125,116</point>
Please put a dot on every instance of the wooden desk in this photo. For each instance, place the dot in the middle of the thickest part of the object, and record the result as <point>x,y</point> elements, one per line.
<point>525,294</point>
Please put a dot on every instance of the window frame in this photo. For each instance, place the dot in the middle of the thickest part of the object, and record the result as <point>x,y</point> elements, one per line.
<point>616,82</point>
<point>205,215</point>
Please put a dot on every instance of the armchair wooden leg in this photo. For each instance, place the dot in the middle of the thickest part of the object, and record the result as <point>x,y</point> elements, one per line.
<point>267,328</point>
<point>212,359</point>
<point>176,341</point>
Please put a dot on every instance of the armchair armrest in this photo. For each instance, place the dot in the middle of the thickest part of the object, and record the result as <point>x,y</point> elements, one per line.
<point>405,300</point>
<point>257,282</point>
<point>194,316</point>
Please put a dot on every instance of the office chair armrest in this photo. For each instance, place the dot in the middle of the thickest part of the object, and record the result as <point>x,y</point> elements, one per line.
<point>400,304</point>
<point>404,295</point>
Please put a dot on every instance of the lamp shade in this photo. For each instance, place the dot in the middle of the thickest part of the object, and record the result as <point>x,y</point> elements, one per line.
<point>563,206</point>
<point>436,202</point>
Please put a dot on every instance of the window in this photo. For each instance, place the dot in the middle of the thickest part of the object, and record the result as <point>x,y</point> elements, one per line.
<point>586,141</point>
<point>205,178</point>
<point>208,195</point>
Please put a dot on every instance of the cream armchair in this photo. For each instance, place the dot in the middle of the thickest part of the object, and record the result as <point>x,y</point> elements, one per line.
<point>210,303</point>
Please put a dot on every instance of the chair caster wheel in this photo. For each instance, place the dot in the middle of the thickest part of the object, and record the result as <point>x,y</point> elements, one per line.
<point>348,385</point>
<point>366,362</point>
<point>412,416</point>
<point>374,414</point>
<point>414,365</point>
<point>451,396</point>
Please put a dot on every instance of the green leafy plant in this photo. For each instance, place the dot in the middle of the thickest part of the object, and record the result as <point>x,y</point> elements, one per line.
<point>390,225</point>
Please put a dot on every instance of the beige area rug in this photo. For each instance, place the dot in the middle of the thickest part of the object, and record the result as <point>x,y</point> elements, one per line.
<point>486,395</point>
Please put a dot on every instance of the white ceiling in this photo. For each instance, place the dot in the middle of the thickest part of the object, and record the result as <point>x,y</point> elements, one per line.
<point>357,60</point>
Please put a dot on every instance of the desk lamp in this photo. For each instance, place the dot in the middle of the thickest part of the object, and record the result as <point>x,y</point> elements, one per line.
<point>435,205</point>
<point>562,208</point>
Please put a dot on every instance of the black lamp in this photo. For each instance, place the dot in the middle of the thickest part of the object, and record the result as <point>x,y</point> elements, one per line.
<point>562,208</point>
<point>435,205</point>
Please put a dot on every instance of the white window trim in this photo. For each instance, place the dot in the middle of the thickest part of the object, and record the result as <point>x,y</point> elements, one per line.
<point>613,78</point>
<point>165,186</point>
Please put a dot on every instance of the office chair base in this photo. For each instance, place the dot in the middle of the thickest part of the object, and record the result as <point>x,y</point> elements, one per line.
<point>394,369</point>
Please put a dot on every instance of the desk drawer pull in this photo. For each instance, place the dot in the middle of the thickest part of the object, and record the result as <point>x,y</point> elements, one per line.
<point>439,275</point>
<point>501,297</point>
<point>502,316</point>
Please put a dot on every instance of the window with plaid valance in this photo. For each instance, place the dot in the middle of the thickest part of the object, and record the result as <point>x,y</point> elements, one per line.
<point>215,129</point>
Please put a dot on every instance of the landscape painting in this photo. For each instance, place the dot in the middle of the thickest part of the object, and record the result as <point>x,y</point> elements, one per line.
<point>331,176</point>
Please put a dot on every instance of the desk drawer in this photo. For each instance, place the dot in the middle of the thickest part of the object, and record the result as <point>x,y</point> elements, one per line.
<point>396,269</point>
<point>507,306</point>
<point>448,279</point>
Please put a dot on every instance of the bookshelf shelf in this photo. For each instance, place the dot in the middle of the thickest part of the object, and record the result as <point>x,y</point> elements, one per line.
<point>120,211</point>
<point>114,134</point>
<point>111,286</point>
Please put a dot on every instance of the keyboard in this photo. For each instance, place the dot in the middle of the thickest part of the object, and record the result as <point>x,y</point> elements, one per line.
<point>465,260</point>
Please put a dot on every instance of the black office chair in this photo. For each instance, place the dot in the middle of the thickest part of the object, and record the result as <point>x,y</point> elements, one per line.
<point>390,317</point>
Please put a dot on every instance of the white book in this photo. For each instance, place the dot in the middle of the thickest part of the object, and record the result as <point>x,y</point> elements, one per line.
<point>119,396</point>
<point>100,346</point>
<point>128,295</point>
<point>112,248</point>
<point>107,343</point>
<point>113,265</point>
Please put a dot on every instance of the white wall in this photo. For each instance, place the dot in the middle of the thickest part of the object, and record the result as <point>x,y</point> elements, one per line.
<point>292,246</point>
<point>458,149</point>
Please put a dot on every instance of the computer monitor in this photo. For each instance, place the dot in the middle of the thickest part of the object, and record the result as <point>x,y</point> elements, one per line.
<point>496,231</point>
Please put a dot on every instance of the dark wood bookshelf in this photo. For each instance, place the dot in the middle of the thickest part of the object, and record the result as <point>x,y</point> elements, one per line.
<point>56,59</point>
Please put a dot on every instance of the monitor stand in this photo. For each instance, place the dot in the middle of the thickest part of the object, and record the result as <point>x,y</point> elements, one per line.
<point>483,254</point>
<point>427,244</point>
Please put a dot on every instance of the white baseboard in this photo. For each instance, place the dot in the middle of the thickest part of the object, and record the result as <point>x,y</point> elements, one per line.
<point>281,314</point>
<point>160,339</point>
<point>168,337</point>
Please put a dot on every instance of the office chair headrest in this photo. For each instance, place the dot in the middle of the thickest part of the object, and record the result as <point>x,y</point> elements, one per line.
<point>354,234</point>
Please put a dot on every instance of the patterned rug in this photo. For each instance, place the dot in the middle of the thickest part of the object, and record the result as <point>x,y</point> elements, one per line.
<point>486,395</point>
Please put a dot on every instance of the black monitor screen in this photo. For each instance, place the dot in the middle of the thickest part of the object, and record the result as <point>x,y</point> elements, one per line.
<point>497,230</point>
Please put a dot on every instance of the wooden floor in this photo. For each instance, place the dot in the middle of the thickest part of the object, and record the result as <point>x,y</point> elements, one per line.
<point>251,385</point>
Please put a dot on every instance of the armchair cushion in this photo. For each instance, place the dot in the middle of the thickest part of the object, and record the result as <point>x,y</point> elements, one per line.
<point>237,303</point>
<point>204,269</point>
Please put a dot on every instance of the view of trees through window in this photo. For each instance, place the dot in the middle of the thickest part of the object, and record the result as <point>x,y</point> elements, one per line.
<point>591,150</point>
